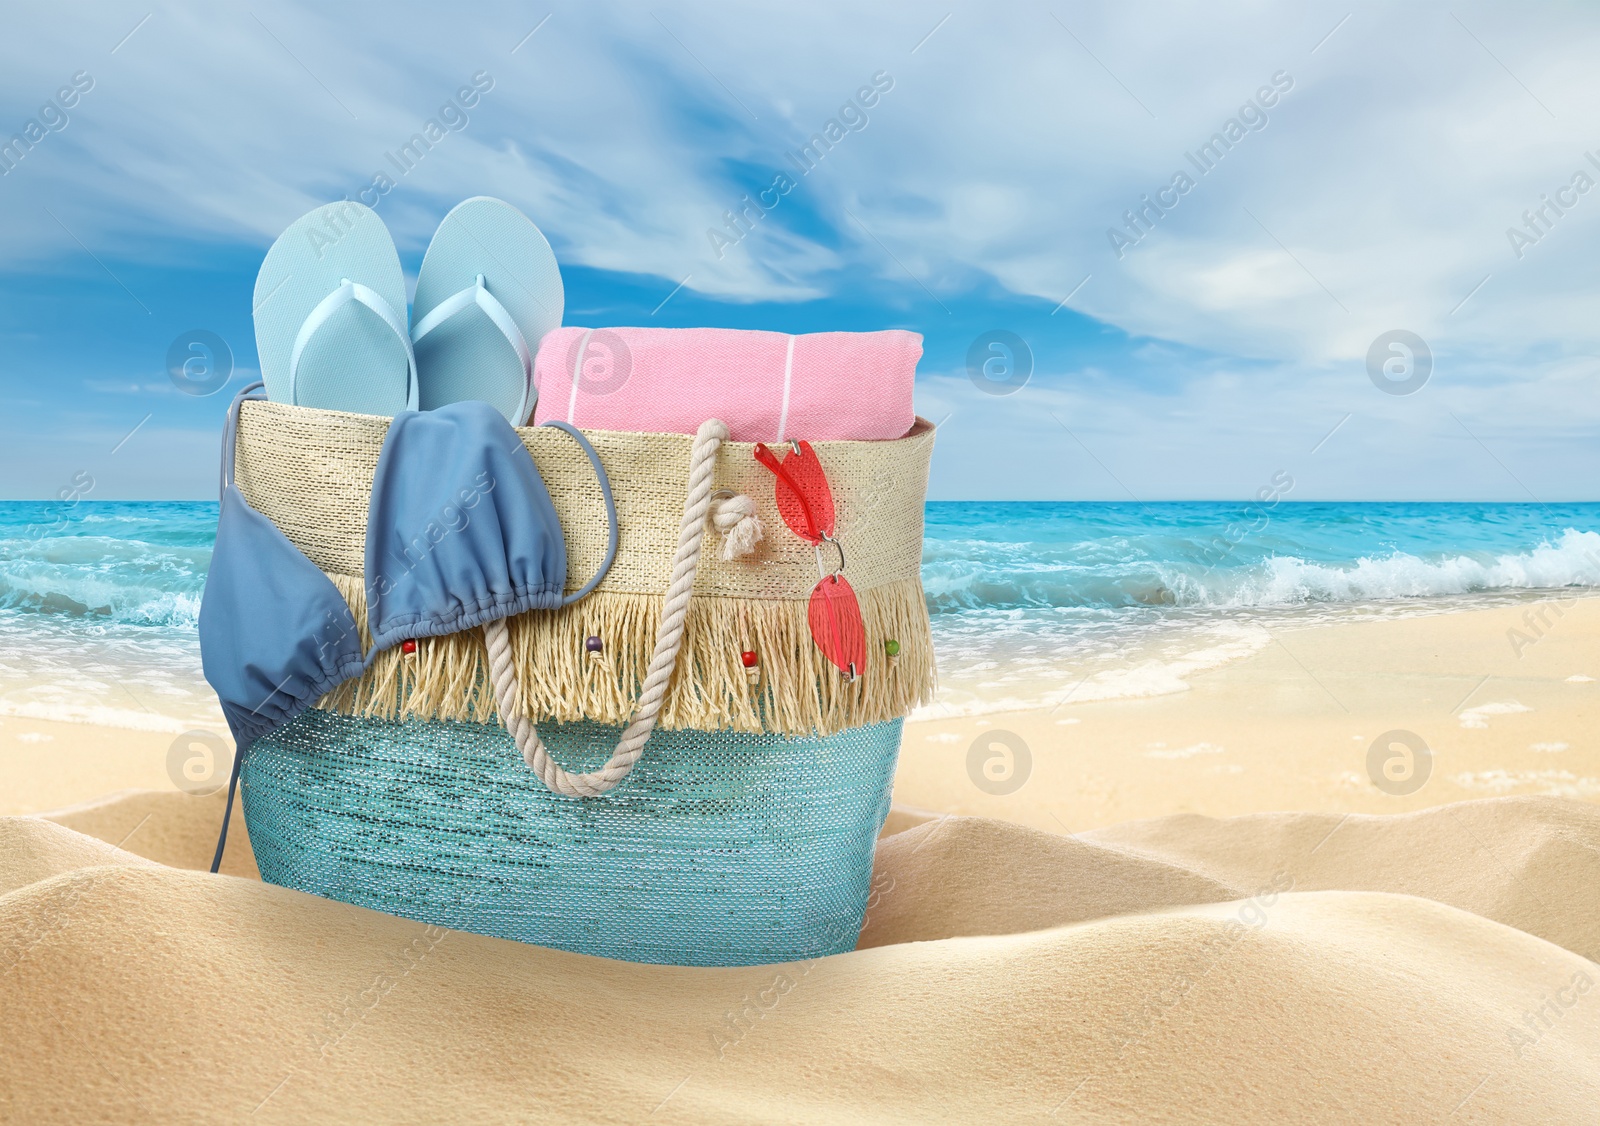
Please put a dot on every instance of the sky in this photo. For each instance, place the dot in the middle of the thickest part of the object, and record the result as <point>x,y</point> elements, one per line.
<point>1376,164</point>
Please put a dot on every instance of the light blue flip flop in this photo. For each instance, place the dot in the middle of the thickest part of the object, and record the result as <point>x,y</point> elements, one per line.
<point>330,307</point>
<point>487,292</point>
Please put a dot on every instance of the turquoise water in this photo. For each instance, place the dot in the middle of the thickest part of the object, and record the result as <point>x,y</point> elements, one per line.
<point>1045,603</point>
<point>98,605</point>
<point>1032,603</point>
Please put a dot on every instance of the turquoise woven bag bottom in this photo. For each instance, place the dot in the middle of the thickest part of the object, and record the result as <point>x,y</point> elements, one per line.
<point>719,849</point>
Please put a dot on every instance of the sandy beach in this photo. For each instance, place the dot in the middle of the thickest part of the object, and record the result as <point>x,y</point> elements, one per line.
<point>1118,923</point>
<point>1291,728</point>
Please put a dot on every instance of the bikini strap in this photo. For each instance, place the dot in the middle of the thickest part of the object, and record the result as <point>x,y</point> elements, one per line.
<point>230,434</point>
<point>611,510</point>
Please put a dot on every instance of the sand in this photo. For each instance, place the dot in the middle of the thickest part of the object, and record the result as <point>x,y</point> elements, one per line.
<point>1291,728</point>
<point>1188,955</point>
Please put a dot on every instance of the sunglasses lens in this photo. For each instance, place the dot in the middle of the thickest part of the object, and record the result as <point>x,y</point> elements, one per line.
<point>836,625</point>
<point>814,515</point>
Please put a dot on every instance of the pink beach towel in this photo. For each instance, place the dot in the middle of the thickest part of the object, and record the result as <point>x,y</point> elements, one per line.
<point>767,386</point>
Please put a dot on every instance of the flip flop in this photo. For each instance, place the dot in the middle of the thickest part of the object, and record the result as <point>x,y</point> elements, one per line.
<point>488,291</point>
<point>330,308</point>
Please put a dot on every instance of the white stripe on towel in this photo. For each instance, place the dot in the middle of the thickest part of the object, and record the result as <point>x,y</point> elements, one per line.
<point>788,376</point>
<point>577,374</point>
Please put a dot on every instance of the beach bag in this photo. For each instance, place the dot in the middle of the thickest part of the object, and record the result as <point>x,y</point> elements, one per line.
<point>741,831</point>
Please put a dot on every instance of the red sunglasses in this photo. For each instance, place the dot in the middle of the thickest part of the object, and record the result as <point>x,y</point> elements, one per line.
<point>805,501</point>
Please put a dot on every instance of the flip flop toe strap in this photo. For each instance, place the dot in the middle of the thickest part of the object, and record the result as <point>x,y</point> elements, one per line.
<point>478,294</point>
<point>347,292</point>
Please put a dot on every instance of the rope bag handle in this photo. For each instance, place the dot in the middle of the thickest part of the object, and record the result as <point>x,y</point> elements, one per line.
<point>507,685</point>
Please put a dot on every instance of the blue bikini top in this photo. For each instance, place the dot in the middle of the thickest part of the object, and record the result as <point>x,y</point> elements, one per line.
<point>460,531</point>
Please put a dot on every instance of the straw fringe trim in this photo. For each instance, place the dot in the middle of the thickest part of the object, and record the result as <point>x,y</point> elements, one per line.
<point>799,692</point>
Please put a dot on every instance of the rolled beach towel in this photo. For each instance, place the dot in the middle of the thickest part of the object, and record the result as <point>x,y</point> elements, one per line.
<point>767,386</point>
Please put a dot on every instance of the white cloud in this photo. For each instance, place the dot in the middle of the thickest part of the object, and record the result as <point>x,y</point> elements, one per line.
<point>1003,148</point>
<point>1376,197</point>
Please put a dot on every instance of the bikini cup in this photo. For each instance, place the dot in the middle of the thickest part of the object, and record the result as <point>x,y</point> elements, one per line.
<point>460,531</point>
<point>275,633</point>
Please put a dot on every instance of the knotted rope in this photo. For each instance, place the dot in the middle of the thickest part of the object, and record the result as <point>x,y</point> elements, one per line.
<point>734,517</point>
<point>669,637</point>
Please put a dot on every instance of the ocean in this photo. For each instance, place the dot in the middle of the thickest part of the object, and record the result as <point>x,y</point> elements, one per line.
<point>1033,604</point>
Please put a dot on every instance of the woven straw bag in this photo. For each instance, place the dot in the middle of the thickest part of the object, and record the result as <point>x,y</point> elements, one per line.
<point>743,830</point>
